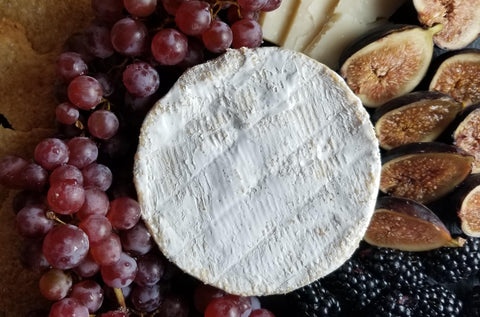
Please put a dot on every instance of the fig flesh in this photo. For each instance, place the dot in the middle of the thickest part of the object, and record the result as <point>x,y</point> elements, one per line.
<point>424,171</point>
<point>459,19</point>
<point>404,224</point>
<point>419,116</point>
<point>458,77</point>
<point>388,62</point>
<point>467,134</point>
<point>468,197</point>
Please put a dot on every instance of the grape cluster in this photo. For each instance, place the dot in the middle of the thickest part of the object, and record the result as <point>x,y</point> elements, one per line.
<point>76,206</point>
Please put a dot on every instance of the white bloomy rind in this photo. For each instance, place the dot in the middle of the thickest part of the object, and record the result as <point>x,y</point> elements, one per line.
<point>258,172</point>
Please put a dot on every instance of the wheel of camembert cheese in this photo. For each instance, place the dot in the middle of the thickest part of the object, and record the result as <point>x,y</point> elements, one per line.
<point>258,171</point>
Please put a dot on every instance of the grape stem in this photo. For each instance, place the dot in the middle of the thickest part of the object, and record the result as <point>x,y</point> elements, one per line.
<point>218,6</point>
<point>120,298</point>
<point>51,215</point>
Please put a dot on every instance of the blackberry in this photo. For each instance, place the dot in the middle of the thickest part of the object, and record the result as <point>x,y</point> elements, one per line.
<point>398,268</point>
<point>451,265</point>
<point>437,300</point>
<point>354,285</point>
<point>394,303</point>
<point>314,300</point>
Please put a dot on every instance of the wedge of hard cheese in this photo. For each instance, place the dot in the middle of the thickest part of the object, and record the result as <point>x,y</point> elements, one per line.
<point>258,171</point>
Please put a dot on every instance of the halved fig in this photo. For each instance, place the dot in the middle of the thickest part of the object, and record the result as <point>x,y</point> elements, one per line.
<point>468,198</point>
<point>405,224</point>
<point>467,134</point>
<point>459,18</point>
<point>419,116</point>
<point>388,62</point>
<point>458,77</point>
<point>424,171</point>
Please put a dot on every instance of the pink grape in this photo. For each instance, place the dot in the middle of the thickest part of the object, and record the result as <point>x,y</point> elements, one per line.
<point>66,197</point>
<point>66,172</point>
<point>218,37</point>
<point>85,92</point>
<point>252,5</point>
<point>169,46</point>
<point>107,251</point>
<point>121,273</point>
<point>89,293</point>
<point>67,113</point>
<point>65,246</point>
<point>96,227</point>
<point>55,284</point>
<point>246,33</point>
<point>87,268</point>
<point>141,79</point>
<point>68,307</point>
<point>70,65</point>
<point>51,152</point>
<point>103,124</point>
<point>96,203</point>
<point>140,8</point>
<point>271,5</point>
<point>193,17</point>
<point>124,213</point>
<point>32,222</point>
<point>83,151</point>
<point>97,175</point>
<point>129,37</point>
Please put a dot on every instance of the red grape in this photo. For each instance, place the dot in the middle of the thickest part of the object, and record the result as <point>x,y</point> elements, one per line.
<point>174,306</point>
<point>121,273</point>
<point>124,213</point>
<point>193,17</point>
<point>150,269</point>
<point>261,313</point>
<point>115,313</point>
<point>108,10</point>
<point>66,197</point>
<point>32,222</point>
<point>252,5</point>
<point>169,46</point>
<point>222,307</point>
<point>68,307</point>
<point>55,284</point>
<point>89,293</point>
<point>88,267</point>
<point>103,124</point>
<point>65,246</point>
<point>107,251</point>
<point>97,175</point>
<point>141,79</point>
<point>140,8</point>
<point>51,152</point>
<point>243,303</point>
<point>97,38</point>
<point>32,256</point>
<point>218,37</point>
<point>137,240</point>
<point>246,33</point>
<point>97,228</point>
<point>204,294</point>
<point>33,177</point>
<point>271,5</point>
<point>10,169</point>
<point>70,65</point>
<point>85,92</point>
<point>96,203</point>
<point>83,151</point>
<point>67,113</point>
<point>66,172</point>
<point>171,6</point>
<point>129,37</point>
<point>146,298</point>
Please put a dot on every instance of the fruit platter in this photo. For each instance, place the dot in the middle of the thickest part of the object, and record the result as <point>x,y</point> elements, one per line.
<point>240,158</point>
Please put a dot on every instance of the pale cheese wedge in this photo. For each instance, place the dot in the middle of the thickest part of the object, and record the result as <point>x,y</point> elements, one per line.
<point>275,24</point>
<point>258,171</point>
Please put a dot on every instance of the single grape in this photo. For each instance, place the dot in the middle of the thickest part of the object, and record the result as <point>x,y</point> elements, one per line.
<point>68,307</point>
<point>108,10</point>
<point>87,268</point>
<point>66,172</point>
<point>234,14</point>
<point>32,222</point>
<point>51,152</point>
<point>171,6</point>
<point>261,313</point>
<point>193,17</point>
<point>169,46</point>
<point>246,33</point>
<point>97,228</point>
<point>97,175</point>
<point>67,113</point>
<point>121,273</point>
<point>271,5</point>
<point>85,92</point>
<point>137,240</point>
<point>89,293</point>
<point>55,284</point>
<point>204,294</point>
<point>174,306</point>
<point>150,269</point>
<point>124,213</point>
<point>66,197</point>
<point>243,303</point>
<point>32,256</point>
<point>141,79</point>
<point>65,246</point>
<point>252,5</point>
<point>97,37</point>
<point>83,151</point>
<point>103,124</point>
<point>140,8</point>
<point>146,298</point>
<point>218,37</point>
<point>10,169</point>
<point>107,251</point>
<point>33,177</point>
<point>222,307</point>
<point>70,65</point>
<point>129,37</point>
<point>96,203</point>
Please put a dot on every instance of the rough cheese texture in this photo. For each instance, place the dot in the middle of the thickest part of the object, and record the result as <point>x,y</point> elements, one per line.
<point>258,172</point>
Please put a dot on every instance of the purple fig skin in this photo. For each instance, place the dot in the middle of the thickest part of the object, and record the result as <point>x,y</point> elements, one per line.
<point>423,147</point>
<point>470,184</point>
